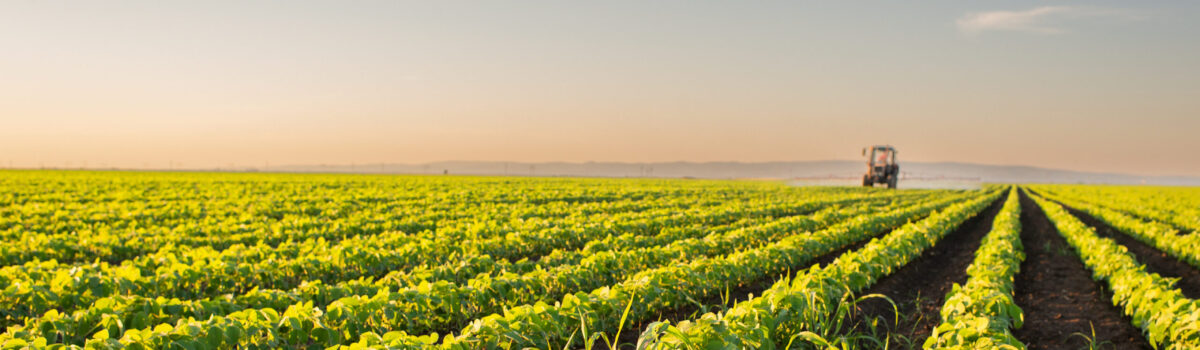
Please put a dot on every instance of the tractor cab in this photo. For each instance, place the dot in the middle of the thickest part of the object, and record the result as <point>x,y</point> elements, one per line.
<point>881,166</point>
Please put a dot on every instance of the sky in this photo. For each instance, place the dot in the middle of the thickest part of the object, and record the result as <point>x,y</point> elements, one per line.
<point>1095,86</point>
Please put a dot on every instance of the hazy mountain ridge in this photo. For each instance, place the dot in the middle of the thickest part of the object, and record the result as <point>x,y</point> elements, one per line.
<point>769,170</point>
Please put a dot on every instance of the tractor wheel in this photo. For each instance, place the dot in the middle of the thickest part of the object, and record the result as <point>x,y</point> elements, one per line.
<point>892,182</point>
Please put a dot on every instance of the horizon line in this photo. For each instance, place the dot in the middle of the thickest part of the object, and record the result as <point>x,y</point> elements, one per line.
<point>241,168</point>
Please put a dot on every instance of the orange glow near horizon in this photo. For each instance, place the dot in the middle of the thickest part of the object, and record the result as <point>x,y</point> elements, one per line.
<point>218,84</point>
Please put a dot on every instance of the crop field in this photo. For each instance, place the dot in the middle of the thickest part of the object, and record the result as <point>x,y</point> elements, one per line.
<point>175,260</point>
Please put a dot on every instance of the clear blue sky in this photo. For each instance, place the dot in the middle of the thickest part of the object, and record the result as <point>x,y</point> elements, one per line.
<point>1098,86</point>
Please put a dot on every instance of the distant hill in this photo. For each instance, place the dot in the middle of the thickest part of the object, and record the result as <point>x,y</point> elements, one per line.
<point>765,170</point>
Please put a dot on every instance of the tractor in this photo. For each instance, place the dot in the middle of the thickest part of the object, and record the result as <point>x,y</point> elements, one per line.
<point>881,166</point>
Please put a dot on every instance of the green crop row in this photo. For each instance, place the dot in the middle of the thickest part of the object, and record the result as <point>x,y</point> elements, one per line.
<point>981,314</point>
<point>1170,320</point>
<point>185,260</point>
<point>581,317</point>
<point>110,217</point>
<point>118,244</point>
<point>33,289</point>
<point>795,310</point>
<point>433,304</point>
<point>486,225</point>
<point>140,311</point>
<point>1176,206</point>
<point>1161,236</point>
<point>111,221</point>
<point>303,325</point>
<point>454,305</point>
<point>167,205</point>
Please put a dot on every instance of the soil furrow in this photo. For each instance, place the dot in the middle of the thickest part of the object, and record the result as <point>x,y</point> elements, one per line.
<point>919,288</point>
<point>1058,296</point>
<point>1156,261</point>
<point>738,293</point>
<point>1182,231</point>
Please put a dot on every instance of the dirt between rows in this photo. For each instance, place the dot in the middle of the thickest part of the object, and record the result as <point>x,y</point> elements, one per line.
<point>919,288</point>
<point>1156,261</point>
<point>738,293</point>
<point>745,291</point>
<point>1063,307</point>
<point>1058,296</point>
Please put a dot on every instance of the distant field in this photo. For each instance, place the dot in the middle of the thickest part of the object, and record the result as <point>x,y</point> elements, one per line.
<point>220,261</point>
<point>904,183</point>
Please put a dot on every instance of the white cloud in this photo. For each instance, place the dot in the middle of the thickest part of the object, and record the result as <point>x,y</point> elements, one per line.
<point>1043,20</point>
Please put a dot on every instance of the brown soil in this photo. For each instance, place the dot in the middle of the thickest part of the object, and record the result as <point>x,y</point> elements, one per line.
<point>1058,296</point>
<point>748,290</point>
<point>743,292</point>
<point>1156,261</point>
<point>919,288</point>
<point>1182,231</point>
